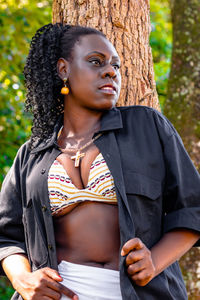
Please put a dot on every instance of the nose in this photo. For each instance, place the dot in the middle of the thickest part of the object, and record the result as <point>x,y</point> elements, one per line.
<point>109,71</point>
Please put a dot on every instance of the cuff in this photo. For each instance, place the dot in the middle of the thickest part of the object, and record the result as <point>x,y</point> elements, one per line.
<point>10,250</point>
<point>188,218</point>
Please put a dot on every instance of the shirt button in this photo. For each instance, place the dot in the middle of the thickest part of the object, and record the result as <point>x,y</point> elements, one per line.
<point>43,171</point>
<point>44,208</point>
<point>50,247</point>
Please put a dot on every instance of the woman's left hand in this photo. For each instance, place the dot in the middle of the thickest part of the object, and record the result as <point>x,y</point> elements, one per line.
<point>139,262</point>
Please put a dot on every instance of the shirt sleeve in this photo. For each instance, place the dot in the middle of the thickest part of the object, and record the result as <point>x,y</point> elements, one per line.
<point>182,188</point>
<point>12,239</point>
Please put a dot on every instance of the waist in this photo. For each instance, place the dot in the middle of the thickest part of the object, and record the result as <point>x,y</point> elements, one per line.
<point>112,265</point>
<point>90,282</point>
<point>72,269</point>
<point>89,233</point>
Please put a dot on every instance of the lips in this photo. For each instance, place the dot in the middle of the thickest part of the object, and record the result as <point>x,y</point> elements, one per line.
<point>108,87</point>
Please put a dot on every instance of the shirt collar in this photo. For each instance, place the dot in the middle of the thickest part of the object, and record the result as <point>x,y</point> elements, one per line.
<point>110,120</point>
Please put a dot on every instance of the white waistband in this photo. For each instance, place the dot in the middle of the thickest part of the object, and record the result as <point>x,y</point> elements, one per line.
<point>90,282</point>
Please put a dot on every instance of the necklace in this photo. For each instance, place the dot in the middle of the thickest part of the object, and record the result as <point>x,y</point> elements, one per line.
<point>78,154</point>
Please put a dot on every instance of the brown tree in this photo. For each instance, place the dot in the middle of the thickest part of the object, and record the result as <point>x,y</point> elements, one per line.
<point>127,25</point>
<point>183,104</point>
<point>183,100</point>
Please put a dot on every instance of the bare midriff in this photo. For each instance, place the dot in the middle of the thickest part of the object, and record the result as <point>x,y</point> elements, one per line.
<point>88,232</point>
<point>89,235</point>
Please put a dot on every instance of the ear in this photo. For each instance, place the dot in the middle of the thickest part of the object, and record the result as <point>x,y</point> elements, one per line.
<point>63,68</point>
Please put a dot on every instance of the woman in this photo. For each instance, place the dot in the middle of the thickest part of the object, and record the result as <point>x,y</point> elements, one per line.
<point>102,201</point>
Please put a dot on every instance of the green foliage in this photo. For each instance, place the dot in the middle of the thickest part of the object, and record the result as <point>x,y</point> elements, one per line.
<point>161,43</point>
<point>18,22</point>
<point>6,290</point>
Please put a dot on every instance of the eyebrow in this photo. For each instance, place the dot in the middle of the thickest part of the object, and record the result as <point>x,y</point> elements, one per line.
<point>96,52</point>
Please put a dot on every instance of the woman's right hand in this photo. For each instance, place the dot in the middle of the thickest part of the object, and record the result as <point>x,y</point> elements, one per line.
<point>42,284</point>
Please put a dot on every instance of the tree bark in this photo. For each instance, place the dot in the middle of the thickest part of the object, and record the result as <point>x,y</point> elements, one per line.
<point>126,24</point>
<point>182,106</point>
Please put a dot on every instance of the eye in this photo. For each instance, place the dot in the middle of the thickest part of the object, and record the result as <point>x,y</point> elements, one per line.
<point>116,66</point>
<point>95,61</point>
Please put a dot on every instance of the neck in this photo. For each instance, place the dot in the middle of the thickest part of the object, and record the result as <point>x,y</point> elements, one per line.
<point>79,121</point>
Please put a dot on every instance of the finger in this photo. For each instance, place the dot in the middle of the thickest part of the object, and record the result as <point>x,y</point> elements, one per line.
<point>132,244</point>
<point>134,256</point>
<point>67,292</point>
<point>142,278</point>
<point>135,268</point>
<point>53,274</point>
<point>48,288</point>
<point>61,289</point>
<point>52,294</point>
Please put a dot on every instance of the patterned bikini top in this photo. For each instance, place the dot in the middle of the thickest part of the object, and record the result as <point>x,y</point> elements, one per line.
<point>63,193</point>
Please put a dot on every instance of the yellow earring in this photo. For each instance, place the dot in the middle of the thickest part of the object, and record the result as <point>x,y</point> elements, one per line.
<point>65,89</point>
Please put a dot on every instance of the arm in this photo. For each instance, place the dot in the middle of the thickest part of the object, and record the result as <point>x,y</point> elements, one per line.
<point>144,264</point>
<point>171,247</point>
<point>41,284</point>
<point>180,210</point>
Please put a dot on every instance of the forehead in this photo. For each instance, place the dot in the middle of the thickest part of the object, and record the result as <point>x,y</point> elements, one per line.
<point>94,43</point>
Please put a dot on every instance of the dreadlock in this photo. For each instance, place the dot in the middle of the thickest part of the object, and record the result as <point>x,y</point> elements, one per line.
<point>43,98</point>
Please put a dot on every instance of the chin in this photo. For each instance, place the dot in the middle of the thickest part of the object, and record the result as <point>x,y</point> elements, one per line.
<point>103,104</point>
<point>107,105</point>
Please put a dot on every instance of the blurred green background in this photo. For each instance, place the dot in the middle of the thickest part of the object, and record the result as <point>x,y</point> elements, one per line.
<point>18,22</point>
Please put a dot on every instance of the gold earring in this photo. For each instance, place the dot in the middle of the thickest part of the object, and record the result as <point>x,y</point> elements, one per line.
<point>65,89</point>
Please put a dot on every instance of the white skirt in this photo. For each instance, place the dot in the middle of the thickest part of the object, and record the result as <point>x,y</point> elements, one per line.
<point>90,282</point>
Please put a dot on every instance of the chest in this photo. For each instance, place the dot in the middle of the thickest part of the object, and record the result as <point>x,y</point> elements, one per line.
<point>123,155</point>
<point>79,175</point>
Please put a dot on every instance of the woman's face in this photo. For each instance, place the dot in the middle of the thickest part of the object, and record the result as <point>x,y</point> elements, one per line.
<point>93,73</point>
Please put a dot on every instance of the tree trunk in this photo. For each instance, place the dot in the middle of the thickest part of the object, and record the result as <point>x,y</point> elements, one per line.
<point>183,104</point>
<point>127,25</point>
<point>183,101</point>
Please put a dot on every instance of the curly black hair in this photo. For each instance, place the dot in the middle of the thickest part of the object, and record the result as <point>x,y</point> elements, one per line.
<point>43,98</point>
